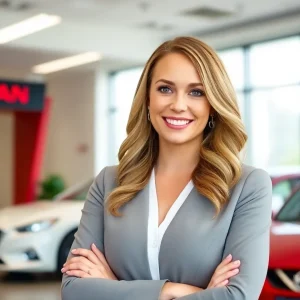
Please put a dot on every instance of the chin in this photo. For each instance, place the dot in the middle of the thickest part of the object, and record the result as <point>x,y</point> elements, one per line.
<point>176,140</point>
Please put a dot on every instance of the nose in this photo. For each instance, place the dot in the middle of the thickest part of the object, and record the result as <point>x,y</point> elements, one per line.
<point>179,103</point>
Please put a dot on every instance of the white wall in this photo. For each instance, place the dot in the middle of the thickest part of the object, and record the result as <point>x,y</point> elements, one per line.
<point>71,124</point>
<point>6,140</point>
<point>6,158</point>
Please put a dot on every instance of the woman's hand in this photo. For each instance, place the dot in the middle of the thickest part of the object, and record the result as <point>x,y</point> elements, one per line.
<point>176,290</point>
<point>88,264</point>
<point>225,270</point>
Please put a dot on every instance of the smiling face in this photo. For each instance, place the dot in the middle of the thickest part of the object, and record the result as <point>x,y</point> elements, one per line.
<point>179,109</point>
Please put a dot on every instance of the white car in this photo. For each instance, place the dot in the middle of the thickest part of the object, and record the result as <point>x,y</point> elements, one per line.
<point>37,237</point>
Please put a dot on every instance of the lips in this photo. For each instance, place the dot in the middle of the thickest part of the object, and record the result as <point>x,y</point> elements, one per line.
<point>177,123</point>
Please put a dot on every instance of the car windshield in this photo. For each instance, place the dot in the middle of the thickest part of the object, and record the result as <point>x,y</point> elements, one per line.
<point>291,211</point>
<point>282,189</point>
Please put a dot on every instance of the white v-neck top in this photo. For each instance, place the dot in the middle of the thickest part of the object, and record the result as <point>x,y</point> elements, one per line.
<point>155,232</point>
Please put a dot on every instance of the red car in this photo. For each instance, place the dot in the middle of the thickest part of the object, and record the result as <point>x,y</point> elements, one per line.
<point>283,278</point>
<point>283,186</point>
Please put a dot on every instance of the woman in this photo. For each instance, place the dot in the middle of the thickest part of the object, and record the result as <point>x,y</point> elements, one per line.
<point>180,217</point>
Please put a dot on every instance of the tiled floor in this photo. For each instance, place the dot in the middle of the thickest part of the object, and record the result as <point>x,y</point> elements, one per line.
<point>29,288</point>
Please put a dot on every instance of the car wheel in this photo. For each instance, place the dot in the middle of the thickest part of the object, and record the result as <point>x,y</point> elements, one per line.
<point>64,250</point>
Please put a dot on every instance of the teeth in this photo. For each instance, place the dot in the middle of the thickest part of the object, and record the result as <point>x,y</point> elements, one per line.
<point>177,122</point>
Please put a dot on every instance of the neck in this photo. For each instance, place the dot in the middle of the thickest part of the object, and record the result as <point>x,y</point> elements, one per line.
<point>174,158</point>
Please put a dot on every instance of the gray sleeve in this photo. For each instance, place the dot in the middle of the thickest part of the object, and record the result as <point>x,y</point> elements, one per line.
<point>91,231</point>
<point>248,240</point>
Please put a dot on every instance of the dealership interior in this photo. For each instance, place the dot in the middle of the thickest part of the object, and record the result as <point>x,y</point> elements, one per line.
<point>68,74</point>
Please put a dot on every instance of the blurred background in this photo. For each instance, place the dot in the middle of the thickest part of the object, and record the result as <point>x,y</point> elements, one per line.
<point>68,73</point>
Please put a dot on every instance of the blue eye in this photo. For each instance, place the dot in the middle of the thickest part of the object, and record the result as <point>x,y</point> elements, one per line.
<point>164,90</point>
<point>196,93</point>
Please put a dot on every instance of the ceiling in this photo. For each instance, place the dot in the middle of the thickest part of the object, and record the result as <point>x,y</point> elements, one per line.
<point>129,30</point>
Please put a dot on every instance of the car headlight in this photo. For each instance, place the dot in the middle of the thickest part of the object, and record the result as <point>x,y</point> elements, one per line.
<point>37,226</point>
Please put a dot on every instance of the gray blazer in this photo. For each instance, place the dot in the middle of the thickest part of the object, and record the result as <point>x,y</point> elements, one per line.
<point>192,247</point>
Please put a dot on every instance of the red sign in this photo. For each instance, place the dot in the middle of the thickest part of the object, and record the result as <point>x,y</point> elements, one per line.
<point>14,93</point>
<point>21,95</point>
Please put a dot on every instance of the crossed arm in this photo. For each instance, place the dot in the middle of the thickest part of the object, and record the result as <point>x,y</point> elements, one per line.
<point>92,264</point>
<point>90,277</point>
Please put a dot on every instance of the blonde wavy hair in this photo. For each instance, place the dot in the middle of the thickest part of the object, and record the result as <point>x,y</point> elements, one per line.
<point>219,167</point>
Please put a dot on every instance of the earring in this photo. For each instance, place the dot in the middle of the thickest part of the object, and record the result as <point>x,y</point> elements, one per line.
<point>211,123</point>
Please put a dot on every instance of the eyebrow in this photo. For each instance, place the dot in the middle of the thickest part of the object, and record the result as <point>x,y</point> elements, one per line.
<point>172,83</point>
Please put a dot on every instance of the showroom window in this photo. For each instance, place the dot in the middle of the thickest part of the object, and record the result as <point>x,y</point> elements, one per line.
<point>123,87</point>
<point>266,77</point>
<point>233,60</point>
<point>275,121</point>
<point>275,63</point>
<point>274,80</point>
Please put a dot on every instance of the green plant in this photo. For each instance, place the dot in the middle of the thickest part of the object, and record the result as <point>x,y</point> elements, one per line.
<point>51,186</point>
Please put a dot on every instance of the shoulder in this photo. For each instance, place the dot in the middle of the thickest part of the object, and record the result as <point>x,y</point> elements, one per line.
<point>254,177</point>
<point>254,186</point>
<point>106,179</point>
<point>108,172</point>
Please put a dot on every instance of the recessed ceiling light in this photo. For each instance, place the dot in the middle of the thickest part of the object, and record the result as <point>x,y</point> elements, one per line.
<point>27,27</point>
<point>66,63</point>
